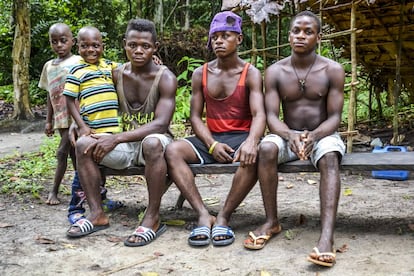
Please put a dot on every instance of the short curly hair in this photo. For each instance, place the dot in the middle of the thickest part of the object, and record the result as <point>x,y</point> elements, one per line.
<point>310,14</point>
<point>142,25</point>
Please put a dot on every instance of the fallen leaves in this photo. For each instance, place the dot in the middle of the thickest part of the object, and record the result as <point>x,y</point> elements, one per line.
<point>290,234</point>
<point>342,249</point>
<point>114,239</point>
<point>175,222</point>
<point>68,245</point>
<point>264,273</point>
<point>43,240</point>
<point>5,225</point>
<point>211,201</point>
<point>149,274</point>
<point>347,192</point>
<point>289,186</point>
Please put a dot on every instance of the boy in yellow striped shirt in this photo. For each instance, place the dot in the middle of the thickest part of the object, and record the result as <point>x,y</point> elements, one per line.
<point>90,82</point>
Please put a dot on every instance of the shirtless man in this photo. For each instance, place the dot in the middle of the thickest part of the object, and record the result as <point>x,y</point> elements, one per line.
<point>231,91</point>
<point>310,89</point>
<point>146,93</point>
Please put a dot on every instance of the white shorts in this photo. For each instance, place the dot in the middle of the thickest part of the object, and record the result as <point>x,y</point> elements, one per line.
<point>331,143</point>
<point>125,155</point>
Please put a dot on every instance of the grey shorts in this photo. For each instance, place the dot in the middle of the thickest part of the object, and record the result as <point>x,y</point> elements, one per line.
<point>127,154</point>
<point>331,143</point>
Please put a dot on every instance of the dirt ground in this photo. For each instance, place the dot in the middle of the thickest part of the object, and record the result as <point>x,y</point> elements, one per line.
<point>374,232</point>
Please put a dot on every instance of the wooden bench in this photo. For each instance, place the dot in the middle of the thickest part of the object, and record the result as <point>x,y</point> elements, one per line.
<point>352,162</point>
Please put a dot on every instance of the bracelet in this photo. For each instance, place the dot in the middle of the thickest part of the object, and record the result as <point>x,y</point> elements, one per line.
<point>211,149</point>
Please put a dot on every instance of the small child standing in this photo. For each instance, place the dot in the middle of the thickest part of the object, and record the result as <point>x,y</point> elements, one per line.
<point>53,79</point>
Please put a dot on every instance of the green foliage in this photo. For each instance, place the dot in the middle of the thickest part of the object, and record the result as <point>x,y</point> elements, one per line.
<point>6,42</point>
<point>182,98</point>
<point>77,14</point>
<point>37,96</point>
<point>6,93</point>
<point>24,174</point>
<point>111,17</point>
<point>259,63</point>
<point>363,103</point>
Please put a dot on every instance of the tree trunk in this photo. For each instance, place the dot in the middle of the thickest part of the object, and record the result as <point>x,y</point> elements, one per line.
<point>139,9</point>
<point>378,90</point>
<point>159,16</point>
<point>21,59</point>
<point>187,15</point>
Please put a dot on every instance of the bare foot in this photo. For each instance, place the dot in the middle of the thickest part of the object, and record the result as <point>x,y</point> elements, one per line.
<point>206,221</point>
<point>52,199</point>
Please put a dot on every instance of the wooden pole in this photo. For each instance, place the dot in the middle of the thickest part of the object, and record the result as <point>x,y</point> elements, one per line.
<point>352,96</point>
<point>321,19</point>
<point>254,48</point>
<point>397,85</point>
<point>279,22</point>
<point>263,29</point>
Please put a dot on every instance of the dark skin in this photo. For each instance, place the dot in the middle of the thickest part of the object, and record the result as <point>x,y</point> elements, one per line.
<point>61,41</point>
<point>223,75</point>
<point>316,111</point>
<point>137,80</point>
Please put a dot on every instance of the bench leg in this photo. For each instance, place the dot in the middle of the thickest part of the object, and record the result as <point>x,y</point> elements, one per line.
<point>180,202</point>
<point>181,198</point>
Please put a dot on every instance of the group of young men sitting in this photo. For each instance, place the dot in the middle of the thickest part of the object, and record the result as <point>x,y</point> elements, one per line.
<point>238,106</point>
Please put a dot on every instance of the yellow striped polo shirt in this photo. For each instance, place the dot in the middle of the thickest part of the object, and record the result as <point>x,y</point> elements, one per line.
<point>92,85</point>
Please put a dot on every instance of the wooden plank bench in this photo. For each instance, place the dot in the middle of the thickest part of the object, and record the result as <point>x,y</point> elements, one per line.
<point>351,162</point>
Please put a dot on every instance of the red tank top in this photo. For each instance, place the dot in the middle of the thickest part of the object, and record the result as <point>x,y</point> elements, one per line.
<point>231,113</point>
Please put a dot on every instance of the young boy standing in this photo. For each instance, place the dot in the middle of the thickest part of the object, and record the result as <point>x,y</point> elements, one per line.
<point>90,82</point>
<point>53,79</point>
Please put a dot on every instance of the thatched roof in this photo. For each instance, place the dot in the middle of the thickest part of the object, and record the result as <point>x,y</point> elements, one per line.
<point>378,36</point>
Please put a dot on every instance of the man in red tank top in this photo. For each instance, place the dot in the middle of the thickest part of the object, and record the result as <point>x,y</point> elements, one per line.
<point>231,92</point>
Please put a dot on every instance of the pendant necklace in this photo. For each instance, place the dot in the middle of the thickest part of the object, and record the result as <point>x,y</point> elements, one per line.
<point>302,82</point>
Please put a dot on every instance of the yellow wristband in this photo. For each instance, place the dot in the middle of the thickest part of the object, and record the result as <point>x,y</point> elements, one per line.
<point>211,149</point>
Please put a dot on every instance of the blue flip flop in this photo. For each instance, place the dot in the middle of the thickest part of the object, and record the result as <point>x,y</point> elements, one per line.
<point>222,231</point>
<point>110,205</point>
<point>194,238</point>
<point>146,234</point>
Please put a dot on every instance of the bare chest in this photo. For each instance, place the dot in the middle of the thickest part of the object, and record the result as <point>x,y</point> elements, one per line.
<point>314,87</point>
<point>136,90</point>
<point>222,85</point>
